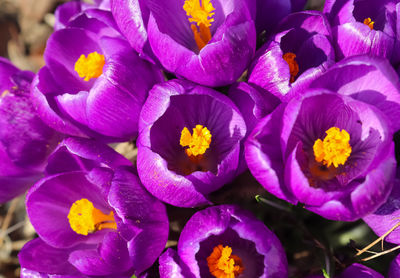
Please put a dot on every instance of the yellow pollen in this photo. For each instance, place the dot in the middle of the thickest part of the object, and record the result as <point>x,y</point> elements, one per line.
<point>224,265</point>
<point>84,218</point>
<point>4,93</point>
<point>293,66</point>
<point>369,23</point>
<point>335,149</point>
<point>91,66</point>
<point>198,143</point>
<point>202,16</point>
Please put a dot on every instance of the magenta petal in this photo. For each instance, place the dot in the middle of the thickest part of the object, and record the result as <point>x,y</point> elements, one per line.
<point>264,159</point>
<point>132,17</point>
<point>169,265</point>
<point>136,207</point>
<point>368,195</point>
<point>111,257</point>
<point>45,105</point>
<point>394,270</point>
<point>75,105</point>
<point>38,256</point>
<point>359,271</point>
<point>299,184</point>
<point>387,216</point>
<point>368,79</point>
<point>6,70</point>
<point>61,54</point>
<point>357,38</point>
<point>48,209</point>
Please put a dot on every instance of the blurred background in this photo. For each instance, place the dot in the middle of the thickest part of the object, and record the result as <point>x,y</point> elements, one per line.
<point>311,242</point>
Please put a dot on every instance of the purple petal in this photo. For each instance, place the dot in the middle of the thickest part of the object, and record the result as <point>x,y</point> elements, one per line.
<point>135,206</point>
<point>368,79</point>
<point>357,38</point>
<point>79,154</point>
<point>61,54</point>
<point>264,159</point>
<point>111,257</point>
<point>38,256</point>
<point>48,209</point>
<point>394,270</point>
<point>169,265</point>
<point>359,271</point>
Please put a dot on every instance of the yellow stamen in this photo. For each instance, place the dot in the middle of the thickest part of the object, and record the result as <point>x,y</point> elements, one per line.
<point>335,149</point>
<point>369,23</point>
<point>202,16</point>
<point>90,67</point>
<point>224,265</point>
<point>4,93</point>
<point>293,66</point>
<point>198,143</point>
<point>84,218</point>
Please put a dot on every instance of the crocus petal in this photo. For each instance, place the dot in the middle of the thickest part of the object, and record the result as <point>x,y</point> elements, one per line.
<point>265,161</point>
<point>368,79</point>
<point>162,161</point>
<point>48,209</point>
<point>38,256</point>
<point>232,226</point>
<point>46,107</point>
<point>394,270</point>
<point>64,13</point>
<point>134,205</point>
<point>79,154</point>
<point>220,62</point>
<point>357,38</point>
<point>6,70</point>
<point>360,271</point>
<point>387,216</point>
<point>61,54</point>
<point>112,257</point>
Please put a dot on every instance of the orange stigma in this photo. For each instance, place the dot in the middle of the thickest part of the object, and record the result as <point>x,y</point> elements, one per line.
<point>369,22</point>
<point>84,218</point>
<point>335,149</point>
<point>222,264</point>
<point>202,16</point>
<point>198,143</point>
<point>91,66</point>
<point>293,66</point>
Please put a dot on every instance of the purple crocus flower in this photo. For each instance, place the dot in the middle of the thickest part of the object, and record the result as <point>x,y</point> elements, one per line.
<point>386,217</point>
<point>68,11</point>
<point>225,241</point>
<point>209,42</point>
<point>299,52</point>
<point>364,27</point>
<point>25,141</point>
<point>189,142</point>
<point>394,269</point>
<point>93,84</point>
<point>271,12</point>
<point>254,103</point>
<point>357,271</point>
<point>368,79</point>
<point>92,215</point>
<point>329,152</point>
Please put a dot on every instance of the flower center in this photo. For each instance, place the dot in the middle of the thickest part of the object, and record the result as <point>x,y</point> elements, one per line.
<point>202,16</point>
<point>293,66</point>
<point>369,23</point>
<point>197,143</point>
<point>224,265</point>
<point>90,66</point>
<point>335,149</point>
<point>84,218</point>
